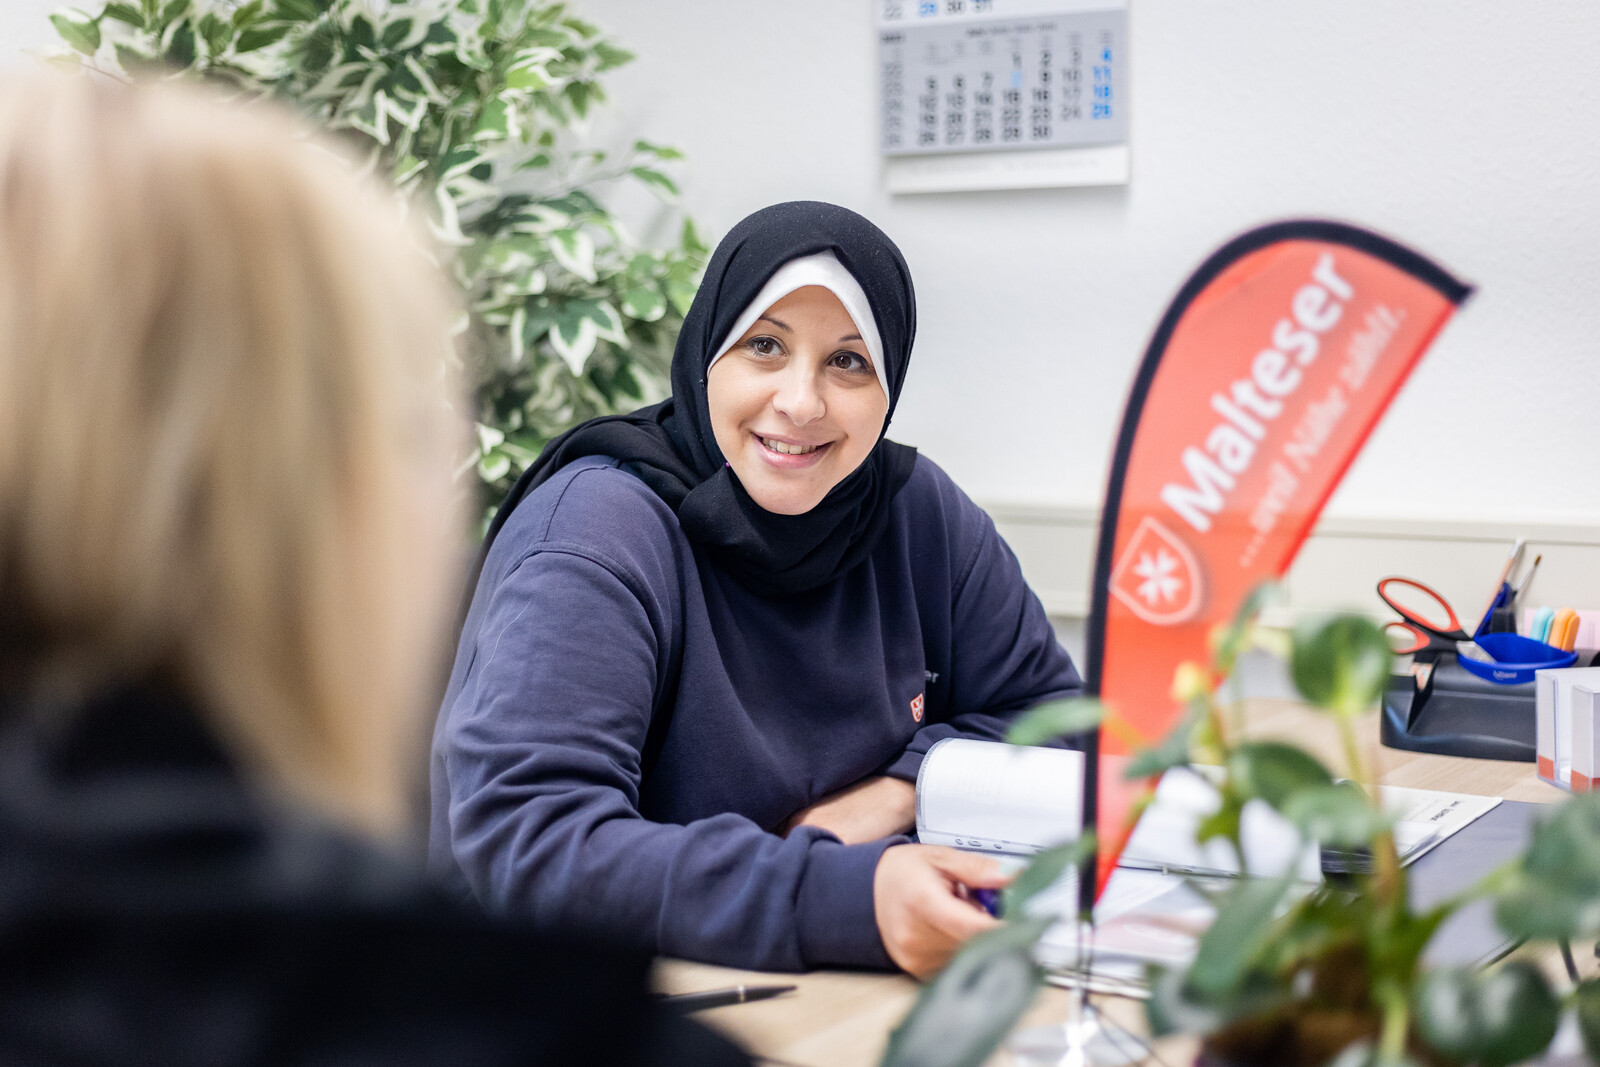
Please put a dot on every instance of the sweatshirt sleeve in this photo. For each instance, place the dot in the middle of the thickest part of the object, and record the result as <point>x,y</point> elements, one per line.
<point>543,755</point>
<point>1004,656</point>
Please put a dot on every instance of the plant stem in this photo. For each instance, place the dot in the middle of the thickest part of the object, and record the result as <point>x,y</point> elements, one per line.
<point>1386,884</point>
<point>1396,1021</point>
<point>1352,750</point>
<point>1219,728</point>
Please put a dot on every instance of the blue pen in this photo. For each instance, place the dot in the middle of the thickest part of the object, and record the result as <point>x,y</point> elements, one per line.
<point>988,900</point>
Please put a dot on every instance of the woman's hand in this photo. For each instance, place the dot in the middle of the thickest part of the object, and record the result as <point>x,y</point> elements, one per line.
<point>919,900</point>
<point>872,809</point>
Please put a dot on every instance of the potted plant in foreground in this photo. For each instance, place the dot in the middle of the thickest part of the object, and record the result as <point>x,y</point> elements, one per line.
<point>1333,975</point>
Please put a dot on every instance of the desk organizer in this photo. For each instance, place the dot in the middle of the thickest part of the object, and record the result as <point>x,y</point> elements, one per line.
<point>1456,713</point>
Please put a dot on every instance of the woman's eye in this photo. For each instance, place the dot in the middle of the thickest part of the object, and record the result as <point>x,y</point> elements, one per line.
<point>764,346</point>
<point>850,361</point>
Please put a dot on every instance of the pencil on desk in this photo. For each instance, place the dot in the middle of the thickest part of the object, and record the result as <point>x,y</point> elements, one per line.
<point>721,998</point>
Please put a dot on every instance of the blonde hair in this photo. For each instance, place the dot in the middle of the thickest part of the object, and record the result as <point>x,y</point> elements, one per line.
<point>224,431</point>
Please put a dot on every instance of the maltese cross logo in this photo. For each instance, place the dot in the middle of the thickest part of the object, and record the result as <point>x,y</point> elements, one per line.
<point>1157,577</point>
<point>1160,586</point>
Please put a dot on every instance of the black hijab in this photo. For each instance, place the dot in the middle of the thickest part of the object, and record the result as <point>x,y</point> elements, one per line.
<point>670,445</point>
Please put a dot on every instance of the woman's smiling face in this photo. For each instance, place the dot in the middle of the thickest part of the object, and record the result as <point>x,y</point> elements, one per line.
<point>795,403</point>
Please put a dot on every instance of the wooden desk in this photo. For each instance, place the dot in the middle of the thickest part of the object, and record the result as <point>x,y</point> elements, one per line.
<point>840,1019</point>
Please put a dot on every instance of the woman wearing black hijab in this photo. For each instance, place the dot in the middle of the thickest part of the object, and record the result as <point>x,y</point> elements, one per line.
<point>711,641</point>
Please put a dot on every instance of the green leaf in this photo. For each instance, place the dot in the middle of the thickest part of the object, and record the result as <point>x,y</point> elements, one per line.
<point>363,34</point>
<point>1492,1018</point>
<point>77,29</point>
<point>489,437</point>
<point>1044,870</point>
<point>461,160</point>
<point>494,466</point>
<point>171,12</point>
<point>681,293</point>
<point>599,315</point>
<point>574,250</point>
<point>538,318</point>
<point>1055,719</point>
<point>528,76</point>
<point>136,62</point>
<point>440,33</point>
<point>611,56</point>
<point>962,1015</point>
<point>1339,815</point>
<point>397,32</point>
<point>1275,772</point>
<point>1242,928</point>
<point>216,32</point>
<point>317,48</point>
<point>1587,1000</point>
<point>295,10</point>
<point>578,325</point>
<point>1172,751</point>
<point>245,14</point>
<point>1555,891</point>
<point>1236,637</point>
<point>494,123</point>
<point>690,240</point>
<point>1174,1007</point>
<point>579,94</point>
<point>659,151</point>
<point>180,44</point>
<point>1342,663</point>
<point>644,303</point>
<point>258,37</point>
<point>124,13</point>
<point>577,202</point>
<point>372,118</point>
<point>1222,823</point>
<point>663,186</point>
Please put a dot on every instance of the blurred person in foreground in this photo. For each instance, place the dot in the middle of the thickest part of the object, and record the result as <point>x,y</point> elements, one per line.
<point>225,528</point>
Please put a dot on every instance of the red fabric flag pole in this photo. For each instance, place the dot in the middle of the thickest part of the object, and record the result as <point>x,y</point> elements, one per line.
<point>1262,382</point>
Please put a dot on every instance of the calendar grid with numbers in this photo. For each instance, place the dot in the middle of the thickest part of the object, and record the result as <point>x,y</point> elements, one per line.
<point>963,76</point>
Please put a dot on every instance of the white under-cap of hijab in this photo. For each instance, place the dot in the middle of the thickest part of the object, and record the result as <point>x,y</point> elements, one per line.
<point>824,269</point>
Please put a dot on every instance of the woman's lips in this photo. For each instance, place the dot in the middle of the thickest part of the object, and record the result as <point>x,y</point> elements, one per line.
<point>786,460</point>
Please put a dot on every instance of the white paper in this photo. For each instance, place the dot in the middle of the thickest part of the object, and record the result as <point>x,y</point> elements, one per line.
<point>1165,836</point>
<point>993,797</point>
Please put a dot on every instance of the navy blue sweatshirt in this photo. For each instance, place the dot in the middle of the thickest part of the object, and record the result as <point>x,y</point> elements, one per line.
<point>626,726</point>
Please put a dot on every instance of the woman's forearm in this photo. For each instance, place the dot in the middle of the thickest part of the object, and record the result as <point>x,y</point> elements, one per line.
<point>869,810</point>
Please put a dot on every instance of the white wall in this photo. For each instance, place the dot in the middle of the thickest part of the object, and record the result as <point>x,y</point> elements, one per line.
<point>1466,128</point>
<point>25,27</point>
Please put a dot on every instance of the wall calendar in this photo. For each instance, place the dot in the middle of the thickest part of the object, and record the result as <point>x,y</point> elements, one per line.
<point>991,94</point>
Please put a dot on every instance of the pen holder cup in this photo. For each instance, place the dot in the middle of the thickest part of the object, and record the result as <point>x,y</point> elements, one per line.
<point>1516,658</point>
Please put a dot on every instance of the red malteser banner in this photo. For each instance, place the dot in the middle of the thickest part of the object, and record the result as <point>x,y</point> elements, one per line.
<point>1262,382</point>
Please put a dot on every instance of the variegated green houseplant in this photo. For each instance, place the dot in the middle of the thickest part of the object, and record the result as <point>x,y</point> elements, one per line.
<point>471,109</point>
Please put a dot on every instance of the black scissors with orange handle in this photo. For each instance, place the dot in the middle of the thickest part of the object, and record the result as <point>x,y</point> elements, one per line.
<point>1440,633</point>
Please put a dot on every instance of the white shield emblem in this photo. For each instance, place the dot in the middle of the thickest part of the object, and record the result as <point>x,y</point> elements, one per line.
<point>1157,576</point>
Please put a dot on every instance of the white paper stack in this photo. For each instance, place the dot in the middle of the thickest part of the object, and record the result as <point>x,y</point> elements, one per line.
<point>1555,730</point>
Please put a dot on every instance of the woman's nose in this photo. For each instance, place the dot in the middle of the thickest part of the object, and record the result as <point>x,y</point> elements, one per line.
<point>798,396</point>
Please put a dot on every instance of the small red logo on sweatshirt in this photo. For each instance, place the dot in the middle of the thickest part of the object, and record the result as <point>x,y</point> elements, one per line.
<point>916,708</point>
